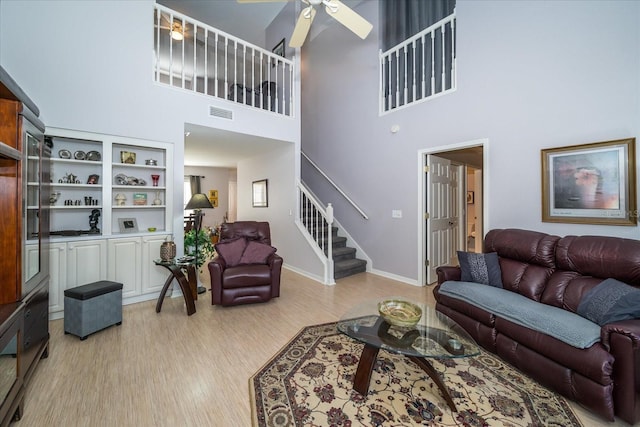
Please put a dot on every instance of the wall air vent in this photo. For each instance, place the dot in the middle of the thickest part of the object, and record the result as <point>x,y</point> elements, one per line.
<point>220,112</point>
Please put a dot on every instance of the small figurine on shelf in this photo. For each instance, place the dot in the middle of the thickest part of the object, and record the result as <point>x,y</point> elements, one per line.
<point>157,201</point>
<point>120,199</point>
<point>54,197</point>
<point>93,221</point>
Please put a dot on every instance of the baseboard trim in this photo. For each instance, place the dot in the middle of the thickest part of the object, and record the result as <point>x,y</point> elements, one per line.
<point>396,277</point>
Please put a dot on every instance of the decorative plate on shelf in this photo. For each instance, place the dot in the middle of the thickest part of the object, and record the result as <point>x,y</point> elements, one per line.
<point>94,156</point>
<point>399,313</point>
<point>64,154</point>
<point>79,155</point>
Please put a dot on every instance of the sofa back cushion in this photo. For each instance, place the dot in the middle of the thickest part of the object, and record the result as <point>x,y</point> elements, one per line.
<point>527,259</point>
<point>585,261</point>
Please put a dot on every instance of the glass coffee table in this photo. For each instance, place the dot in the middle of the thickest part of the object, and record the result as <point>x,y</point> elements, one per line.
<point>434,336</point>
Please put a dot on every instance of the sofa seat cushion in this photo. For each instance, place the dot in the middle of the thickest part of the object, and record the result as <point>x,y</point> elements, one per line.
<point>476,313</point>
<point>246,275</point>
<point>560,324</point>
<point>595,362</point>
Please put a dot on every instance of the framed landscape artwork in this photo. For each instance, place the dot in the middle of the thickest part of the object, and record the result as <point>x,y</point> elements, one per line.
<point>590,183</point>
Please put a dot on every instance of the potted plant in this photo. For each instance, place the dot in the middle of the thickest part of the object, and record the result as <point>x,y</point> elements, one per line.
<point>205,249</point>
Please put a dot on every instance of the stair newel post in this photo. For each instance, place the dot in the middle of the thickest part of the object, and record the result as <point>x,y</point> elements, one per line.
<point>330,239</point>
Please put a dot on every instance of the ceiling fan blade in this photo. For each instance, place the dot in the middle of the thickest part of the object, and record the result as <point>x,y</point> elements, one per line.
<point>347,17</point>
<point>302,27</point>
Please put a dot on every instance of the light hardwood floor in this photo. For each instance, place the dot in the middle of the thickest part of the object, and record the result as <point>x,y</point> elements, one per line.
<point>170,369</point>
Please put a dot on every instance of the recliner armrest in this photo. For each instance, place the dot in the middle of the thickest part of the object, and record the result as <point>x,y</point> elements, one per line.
<point>448,272</point>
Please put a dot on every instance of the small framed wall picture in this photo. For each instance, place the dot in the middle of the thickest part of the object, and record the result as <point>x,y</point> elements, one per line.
<point>278,50</point>
<point>471,198</point>
<point>128,225</point>
<point>260,193</point>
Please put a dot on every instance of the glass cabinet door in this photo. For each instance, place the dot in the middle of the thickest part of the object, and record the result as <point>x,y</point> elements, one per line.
<point>33,146</point>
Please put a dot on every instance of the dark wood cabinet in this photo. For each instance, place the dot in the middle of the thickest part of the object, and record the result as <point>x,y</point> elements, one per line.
<point>24,281</point>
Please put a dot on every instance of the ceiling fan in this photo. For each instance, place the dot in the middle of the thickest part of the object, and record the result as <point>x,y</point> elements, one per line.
<point>175,29</point>
<point>335,8</point>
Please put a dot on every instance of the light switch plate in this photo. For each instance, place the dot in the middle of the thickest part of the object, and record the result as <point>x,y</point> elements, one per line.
<point>396,213</point>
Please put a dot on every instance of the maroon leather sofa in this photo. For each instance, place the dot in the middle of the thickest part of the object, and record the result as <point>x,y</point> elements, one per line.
<point>604,377</point>
<point>245,283</point>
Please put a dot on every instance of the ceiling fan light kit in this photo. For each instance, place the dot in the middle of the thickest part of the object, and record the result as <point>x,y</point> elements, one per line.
<point>176,32</point>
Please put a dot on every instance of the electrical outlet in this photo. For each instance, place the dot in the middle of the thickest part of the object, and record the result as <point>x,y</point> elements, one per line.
<point>396,213</point>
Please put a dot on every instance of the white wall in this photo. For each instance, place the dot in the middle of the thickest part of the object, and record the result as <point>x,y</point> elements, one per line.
<point>88,66</point>
<point>531,75</point>
<point>280,213</point>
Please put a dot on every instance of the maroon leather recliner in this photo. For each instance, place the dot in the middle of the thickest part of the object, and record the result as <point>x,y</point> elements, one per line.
<point>245,283</point>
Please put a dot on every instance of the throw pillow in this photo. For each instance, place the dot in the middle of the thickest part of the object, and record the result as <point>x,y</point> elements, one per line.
<point>480,268</point>
<point>610,301</point>
<point>231,250</point>
<point>256,253</point>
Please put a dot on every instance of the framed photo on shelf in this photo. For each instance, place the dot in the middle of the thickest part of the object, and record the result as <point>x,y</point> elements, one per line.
<point>590,183</point>
<point>128,225</point>
<point>260,193</point>
<point>128,157</point>
<point>139,199</point>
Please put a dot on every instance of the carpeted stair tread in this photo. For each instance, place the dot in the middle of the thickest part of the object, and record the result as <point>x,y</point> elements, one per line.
<point>349,267</point>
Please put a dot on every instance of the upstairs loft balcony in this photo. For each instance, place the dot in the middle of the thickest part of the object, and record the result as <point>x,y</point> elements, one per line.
<point>196,57</point>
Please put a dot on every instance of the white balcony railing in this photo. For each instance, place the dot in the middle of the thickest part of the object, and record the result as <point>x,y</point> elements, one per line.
<point>419,68</point>
<point>203,59</point>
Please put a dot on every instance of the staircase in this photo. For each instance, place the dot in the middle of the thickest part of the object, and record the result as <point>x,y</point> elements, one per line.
<point>345,262</point>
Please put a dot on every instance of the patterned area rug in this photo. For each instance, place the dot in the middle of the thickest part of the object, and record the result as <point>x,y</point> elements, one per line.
<point>309,383</point>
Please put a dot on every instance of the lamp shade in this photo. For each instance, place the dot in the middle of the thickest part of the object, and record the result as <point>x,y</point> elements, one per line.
<point>199,201</point>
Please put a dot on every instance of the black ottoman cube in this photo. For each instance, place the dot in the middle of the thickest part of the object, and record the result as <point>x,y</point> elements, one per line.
<point>91,308</point>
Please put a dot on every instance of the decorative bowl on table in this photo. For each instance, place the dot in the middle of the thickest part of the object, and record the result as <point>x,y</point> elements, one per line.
<point>399,313</point>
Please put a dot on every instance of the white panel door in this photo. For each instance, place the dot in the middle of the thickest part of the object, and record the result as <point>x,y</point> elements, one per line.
<point>87,262</point>
<point>443,219</point>
<point>125,264</point>
<point>153,276</point>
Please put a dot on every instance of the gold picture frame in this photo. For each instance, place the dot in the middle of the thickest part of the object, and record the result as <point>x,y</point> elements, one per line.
<point>590,183</point>
<point>213,198</point>
<point>128,157</point>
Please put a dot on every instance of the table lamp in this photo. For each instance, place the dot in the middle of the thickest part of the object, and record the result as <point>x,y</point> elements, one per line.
<point>198,202</point>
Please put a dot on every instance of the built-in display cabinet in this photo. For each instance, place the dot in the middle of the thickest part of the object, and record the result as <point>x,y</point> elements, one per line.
<point>109,207</point>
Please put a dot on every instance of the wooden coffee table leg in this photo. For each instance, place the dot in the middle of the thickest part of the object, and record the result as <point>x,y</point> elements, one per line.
<point>365,367</point>
<point>435,376</point>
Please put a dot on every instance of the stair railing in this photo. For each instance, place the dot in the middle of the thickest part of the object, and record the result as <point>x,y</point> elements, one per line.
<point>347,198</point>
<point>315,222</point>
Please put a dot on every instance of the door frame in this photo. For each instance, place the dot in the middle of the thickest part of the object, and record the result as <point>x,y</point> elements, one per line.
<point>422,202</point>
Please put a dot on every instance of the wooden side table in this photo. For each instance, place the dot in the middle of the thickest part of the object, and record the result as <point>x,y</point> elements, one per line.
<point>187,284</point>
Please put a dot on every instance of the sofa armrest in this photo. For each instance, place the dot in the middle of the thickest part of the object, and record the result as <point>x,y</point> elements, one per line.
<point>623,341</point>
<point>627,328</point>
<point>448,272</point>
